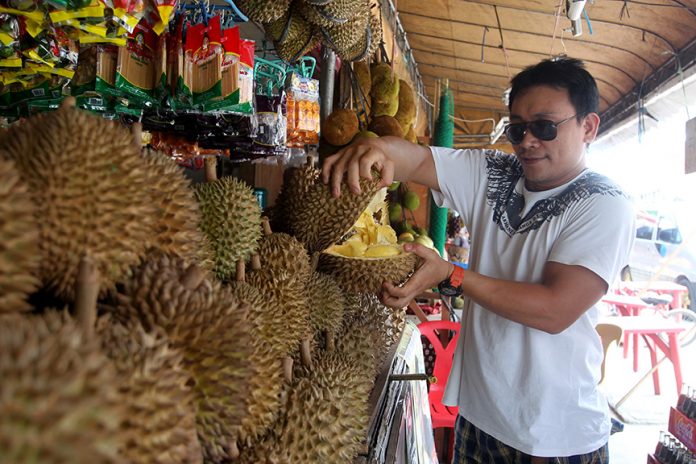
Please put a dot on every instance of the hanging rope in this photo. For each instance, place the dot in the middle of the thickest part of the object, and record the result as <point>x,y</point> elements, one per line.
<point>483,44</point>
<point>555,27</point>
<point>502,42</point>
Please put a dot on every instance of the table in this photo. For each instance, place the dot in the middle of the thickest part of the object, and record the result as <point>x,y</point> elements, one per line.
<point>650,328</point>
<point>627,305</point>
<point>675,290</point>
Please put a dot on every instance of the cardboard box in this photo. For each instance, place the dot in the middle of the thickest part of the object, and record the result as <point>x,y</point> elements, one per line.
<point>683,428</point>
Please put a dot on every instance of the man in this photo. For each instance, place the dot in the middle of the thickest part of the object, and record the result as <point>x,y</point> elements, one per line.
<point>551,236</point>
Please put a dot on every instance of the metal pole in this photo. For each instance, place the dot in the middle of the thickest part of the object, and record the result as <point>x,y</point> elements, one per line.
<point>326,82</point>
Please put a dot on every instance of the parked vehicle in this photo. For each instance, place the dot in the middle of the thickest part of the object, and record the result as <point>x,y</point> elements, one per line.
<point>662,252</point>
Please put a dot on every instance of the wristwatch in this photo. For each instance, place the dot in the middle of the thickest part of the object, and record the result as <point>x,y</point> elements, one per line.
<point>452,286</point>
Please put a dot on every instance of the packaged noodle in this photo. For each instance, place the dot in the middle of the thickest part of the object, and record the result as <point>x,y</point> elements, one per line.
<point>246,71</point>
<point>203,61</point>
<point>135,69</point>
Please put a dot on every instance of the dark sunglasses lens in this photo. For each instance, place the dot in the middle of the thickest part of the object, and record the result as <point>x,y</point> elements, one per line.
<point>515,132</point>
<point>543,129</point>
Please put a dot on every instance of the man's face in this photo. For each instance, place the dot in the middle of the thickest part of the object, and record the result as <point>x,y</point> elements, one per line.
<point>549,164</point>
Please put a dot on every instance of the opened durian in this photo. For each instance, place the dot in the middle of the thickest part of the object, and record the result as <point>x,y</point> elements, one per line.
<point>160,423</point>
<point>264,11</point>
<point>231,220</point>
<point>385,90</point>
<point>208,325</point>
<point>19,247</point>
<point>59,394</point>
<point>87,180</point>
<point>178,216</point>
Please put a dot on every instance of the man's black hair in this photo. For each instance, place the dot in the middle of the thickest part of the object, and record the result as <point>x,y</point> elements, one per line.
<point>561,73</point>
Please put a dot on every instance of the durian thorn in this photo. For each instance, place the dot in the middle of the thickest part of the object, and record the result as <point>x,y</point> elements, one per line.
<point>315,261</point>
<point>211,168</point>
<point>192,278</point>
<point>266,224</point>
<point>255,262</point>
<point>330,341</point>
<point>240,276</point>
<point>234,451</point>
<point>306,352</point>
<point>86,294</point>
<point>287,369</point>
<point>137,132</point>
<point>68,102</point>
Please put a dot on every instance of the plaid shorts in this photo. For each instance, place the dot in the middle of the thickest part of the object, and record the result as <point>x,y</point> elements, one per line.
<point>473,446</point>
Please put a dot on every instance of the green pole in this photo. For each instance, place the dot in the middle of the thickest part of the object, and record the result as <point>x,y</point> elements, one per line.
<point>443,137</point>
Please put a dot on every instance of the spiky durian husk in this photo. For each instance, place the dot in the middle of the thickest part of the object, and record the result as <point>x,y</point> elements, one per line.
<point>327,301</point>
<point>321,219</point>
<point>208,325</point>
<point>266,392</point>
<point>19,248</point>
<point>352,39</point>
<point>365,275</point>
<point>296,182</point>
<point>59,398</point>
<point>326,413</point>
<point>292,35</point>
<point>362,343</point>
<point>92,193</point>
<point>334,12</point>
<point>178,217</point>
<point>283,259</point>
<point>264,11</point>
<point>161,418</point>
<point>376,34</point>
<point>231,220</point>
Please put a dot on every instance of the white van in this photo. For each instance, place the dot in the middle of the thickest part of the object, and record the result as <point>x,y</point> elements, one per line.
<point>661,252</point>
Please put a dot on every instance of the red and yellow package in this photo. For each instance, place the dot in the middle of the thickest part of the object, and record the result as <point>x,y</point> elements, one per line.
<point>203,55</point>
<point>135,71</point>
<point>246,71</point>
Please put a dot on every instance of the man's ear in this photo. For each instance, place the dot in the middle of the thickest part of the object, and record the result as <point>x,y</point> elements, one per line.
<point>590,126</point>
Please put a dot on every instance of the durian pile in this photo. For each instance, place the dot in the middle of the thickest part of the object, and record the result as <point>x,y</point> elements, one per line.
<point>350,27</point>
<point>147,320</point>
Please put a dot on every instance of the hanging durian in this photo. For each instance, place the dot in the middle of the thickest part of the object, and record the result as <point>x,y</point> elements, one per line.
<point>178,217</point>
<point>263,11</point>
<point>19,247</point>
<point>160,422</point>
<point>292,35</point>
<point>231,220</point>
<point>91,191</point>
<point>59,394</point>
<point>332,13</point>
<point>406,114</point>
<point>385,90</point>
<point>208,325</point>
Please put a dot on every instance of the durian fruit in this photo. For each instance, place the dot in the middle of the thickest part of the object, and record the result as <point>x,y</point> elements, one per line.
<point>319,220</point>
<point>292,35</point>
<point>208,325</point>
<point>296,182</point>
<point>340,127</point>
<point>326,413</point>
<point>406,114</point>
<point>376,32</point>
<point>386,125</point>
<point>387,324</point>
<point>19,247</point>
<point>161,417</point>
<point>332,13</point>
<point>264,11</point>
<point>281,271</point>
<point>346,37</point>
<point>266,388</point>
<point>385,91</point>
<point>362,344</point>
<point>86,177</point>
<point>327,302</point>
<point>59,394</point>
<point>231,221</point>
<point>178,218</point>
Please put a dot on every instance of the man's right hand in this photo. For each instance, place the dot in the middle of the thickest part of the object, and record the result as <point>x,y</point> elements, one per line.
<point>355,161</point>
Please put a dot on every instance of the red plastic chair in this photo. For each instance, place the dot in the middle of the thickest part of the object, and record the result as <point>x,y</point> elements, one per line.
<point>442,416</point>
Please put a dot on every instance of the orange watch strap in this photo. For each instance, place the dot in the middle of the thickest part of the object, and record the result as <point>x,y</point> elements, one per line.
<point>457,276</point>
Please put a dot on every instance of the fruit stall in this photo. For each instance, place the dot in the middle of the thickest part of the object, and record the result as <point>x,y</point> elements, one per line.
<point>178,286</point>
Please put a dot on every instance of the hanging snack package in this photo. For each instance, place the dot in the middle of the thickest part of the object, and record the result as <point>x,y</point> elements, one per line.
<point>230,72</point>
<point>246,71</point>
<point>203,66</point>
<point>67,10</point>
<point>129,13</point>
<point>9,42</point>
<point>165,10</point>
<point>302,110</point>
<point>135,69</point>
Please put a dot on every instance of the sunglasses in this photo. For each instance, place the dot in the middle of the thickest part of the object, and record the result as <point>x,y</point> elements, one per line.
<point>543,129</point>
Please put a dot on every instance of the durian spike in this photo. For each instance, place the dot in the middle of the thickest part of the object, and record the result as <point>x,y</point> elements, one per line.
<point>266,224</point>
<point>306,352</point>
<point>211,169</point>
<point>233,450</point>
<point>330,341</point>
<point>255,262</point>
<point>86,295</point>
<point>193,277</point>
<point>137,132</point>
<point>241,272</point>
<point>68,102</point>
<point>287,369</point>
<point>315,262</point>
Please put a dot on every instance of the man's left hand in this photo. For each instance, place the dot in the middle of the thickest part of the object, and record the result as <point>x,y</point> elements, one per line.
<point>430,273</point>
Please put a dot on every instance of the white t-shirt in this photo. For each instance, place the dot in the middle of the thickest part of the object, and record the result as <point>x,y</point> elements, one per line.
<point>531,390</point>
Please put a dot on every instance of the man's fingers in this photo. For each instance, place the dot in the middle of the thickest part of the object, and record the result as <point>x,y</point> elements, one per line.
<point>353,180</point>
<point>419,250</point>
<point>326,167</point>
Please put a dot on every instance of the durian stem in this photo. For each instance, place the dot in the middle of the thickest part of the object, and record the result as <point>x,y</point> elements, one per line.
<point>192,278</point>
<point>330,341</point>
<point>287,369</point>
<point>306,352</point>
<point>255,262</point>
<point>137,133</point>
<point>241,271</point>
<point>86,295</point>
<point>266,224</point>
<point>211,168</point>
